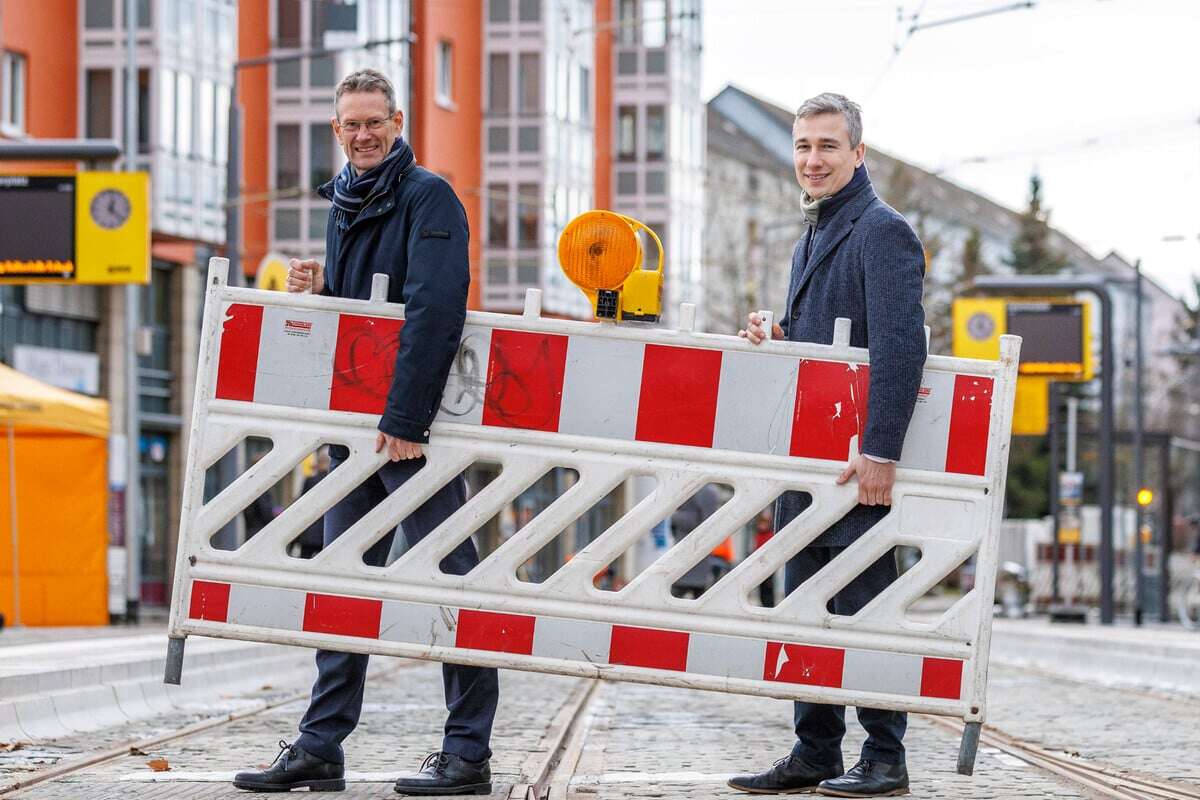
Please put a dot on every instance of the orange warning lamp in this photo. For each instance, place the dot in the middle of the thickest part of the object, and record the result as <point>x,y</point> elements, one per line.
<point>599,251</point>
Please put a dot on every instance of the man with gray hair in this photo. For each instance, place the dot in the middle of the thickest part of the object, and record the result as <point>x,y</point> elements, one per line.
<point>391,216</point>
<point>858,259</point>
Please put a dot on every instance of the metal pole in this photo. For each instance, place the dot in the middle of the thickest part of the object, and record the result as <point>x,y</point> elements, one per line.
<point>133,539</point>
<point>1106,458</point>
<point>1072,430</point>
<point>1138,449</point>
<point>1055,469</point>
<point>1166,533</point>
<point>12,510</point>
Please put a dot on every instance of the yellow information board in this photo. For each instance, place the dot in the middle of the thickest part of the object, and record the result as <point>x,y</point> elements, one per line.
<point>87,227</point>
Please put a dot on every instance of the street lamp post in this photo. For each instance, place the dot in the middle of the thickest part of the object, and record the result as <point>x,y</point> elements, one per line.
<point>1098,287</point>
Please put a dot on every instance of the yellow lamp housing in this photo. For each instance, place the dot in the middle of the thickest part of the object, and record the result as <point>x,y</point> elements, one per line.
<point>600,253</point>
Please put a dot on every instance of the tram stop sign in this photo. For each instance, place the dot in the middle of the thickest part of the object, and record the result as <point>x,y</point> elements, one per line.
<point>1055,333</point>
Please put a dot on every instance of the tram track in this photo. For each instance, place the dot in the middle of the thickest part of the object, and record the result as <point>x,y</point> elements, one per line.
<point>546,771</point>
<point>1103,779</point>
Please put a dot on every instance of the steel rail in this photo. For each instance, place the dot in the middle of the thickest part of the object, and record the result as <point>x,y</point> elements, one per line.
<point>133,746</point>
<point>1100,778</point>
<point>553,762</point>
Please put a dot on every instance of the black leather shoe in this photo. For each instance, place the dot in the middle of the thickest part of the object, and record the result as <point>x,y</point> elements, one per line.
<point>446,773</point>
<point>789,775</point>
<point>868,779</point>
<point>294,768</point>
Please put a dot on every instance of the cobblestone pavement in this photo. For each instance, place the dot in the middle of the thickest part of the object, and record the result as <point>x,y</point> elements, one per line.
<point>648,742</point>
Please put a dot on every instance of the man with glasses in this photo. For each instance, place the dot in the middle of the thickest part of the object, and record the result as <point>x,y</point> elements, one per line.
<point>391,216</point>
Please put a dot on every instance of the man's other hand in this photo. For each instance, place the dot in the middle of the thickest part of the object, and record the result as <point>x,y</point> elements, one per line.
<point>397,449</point>
<point>305,276</point>
<point>754,330</point>
<point>875,480</point>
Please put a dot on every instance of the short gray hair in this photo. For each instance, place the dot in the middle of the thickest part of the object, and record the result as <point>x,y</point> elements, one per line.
<point>830,103</point>
<point>367,80</point>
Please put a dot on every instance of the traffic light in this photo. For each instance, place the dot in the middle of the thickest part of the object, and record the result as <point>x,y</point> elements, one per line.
<point>1145,496</point>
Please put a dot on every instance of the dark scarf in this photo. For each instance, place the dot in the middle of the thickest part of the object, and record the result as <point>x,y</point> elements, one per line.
<point>351,189</point>
<point>817,213</point>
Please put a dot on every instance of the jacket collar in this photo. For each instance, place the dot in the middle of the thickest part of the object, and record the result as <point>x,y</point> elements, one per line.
<point>839,228</point>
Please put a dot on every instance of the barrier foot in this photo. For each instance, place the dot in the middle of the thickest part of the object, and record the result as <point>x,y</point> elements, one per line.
<point>968,748</point>
<point>174,671</point>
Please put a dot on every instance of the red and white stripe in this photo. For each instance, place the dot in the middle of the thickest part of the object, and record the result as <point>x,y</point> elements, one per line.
<point>591,642</point>
<point>599,386</point>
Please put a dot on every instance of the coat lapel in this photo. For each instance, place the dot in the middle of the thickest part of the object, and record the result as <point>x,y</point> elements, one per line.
<point>842,225</point>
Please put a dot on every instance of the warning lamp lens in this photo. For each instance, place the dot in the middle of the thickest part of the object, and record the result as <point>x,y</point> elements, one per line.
<point>1145,497</point>
<point>598,250</point>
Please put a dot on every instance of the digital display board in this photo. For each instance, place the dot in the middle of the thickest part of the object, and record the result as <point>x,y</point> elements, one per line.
<point>87,228</point>
<point>37,217</point>
<point>1051,333</point>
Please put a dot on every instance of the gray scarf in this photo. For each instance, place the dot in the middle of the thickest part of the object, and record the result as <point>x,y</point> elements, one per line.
<point>811,208</point>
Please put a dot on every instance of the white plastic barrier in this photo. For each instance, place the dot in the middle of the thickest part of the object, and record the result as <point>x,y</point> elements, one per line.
<point>609,402</point>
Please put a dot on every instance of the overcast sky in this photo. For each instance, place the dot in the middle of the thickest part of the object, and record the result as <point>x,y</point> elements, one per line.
<point>1101,97</point>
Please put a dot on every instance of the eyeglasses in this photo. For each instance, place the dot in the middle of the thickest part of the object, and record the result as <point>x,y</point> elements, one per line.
<point>353,126</point>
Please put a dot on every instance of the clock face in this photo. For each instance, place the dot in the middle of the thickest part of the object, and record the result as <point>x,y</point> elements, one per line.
<point>110,208</point>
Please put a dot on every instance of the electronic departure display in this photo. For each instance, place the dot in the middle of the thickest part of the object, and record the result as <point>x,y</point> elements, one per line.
<point>86,227</point>
<point>37,217</point>
<point>1052,335</point>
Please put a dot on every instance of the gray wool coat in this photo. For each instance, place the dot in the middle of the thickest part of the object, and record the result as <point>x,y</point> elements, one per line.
<point>867,265</point>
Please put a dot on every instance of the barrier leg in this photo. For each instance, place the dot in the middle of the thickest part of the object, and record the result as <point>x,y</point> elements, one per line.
<point>174,671</point>
<point>968,748</point>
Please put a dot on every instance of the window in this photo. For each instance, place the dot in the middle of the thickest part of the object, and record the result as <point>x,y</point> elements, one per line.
<point>650,248</point>
<point>225,35</point>
<point>527,273</point>
<point>529,83</point>
<point>656,182</point>
<point>656,62</point>
<point>497,273</point>
<point>500,10</point>
<point>627,62</point>
<point>656,133</point>
<point>445,72</point>
<point>528,206</point>
<point>99,124</point>
<point>530,10</point>
<point>627,133</point>
<point>287,223</point>
<point>322,71</point>
<point>320,156</point>
<point>327,16</point>
<point>144,16</point>
<point>287,157</point>
<point>166,110</point>
<point>205,129</point>
<point>529,139</point>
<point>287,74</point>
<point>317,217</point>
<point>627,182</point>
<point>654,23</point>
<point>98,14</point>
<point>222,113</point>
<point>287,23</point>
<point>499,140</point>
<point>12,92</point>
<point>143,110</point>
<point>585,94</point>
<point>183,100</point>
<point>187,20</point>
<point>498,212</point>
<point>499,86</point>
<point>627,30</point>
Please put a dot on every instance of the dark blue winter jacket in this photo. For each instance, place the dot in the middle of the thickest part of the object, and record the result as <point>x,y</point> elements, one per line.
<point>413,229</point>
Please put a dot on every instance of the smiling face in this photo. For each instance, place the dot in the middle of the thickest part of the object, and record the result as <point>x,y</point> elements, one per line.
<point>365,128</point>
<point>824,159</point>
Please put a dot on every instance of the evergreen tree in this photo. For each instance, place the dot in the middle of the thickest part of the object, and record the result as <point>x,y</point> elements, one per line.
<point>972,259</point>
<point>1031,253</point>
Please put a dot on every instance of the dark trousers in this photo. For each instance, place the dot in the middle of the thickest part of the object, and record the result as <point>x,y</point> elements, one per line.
<point>337,696</point>
<point>820,727</point>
